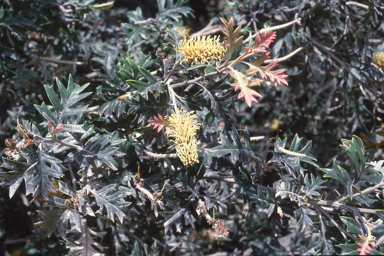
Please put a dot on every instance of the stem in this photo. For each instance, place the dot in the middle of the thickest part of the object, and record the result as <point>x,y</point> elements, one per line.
<point>285,57</point>
<point>265,30</point>
<point>357,4</point>
<point>343,232</point>
<point>172,71</point>
<point>288,152</point>
<point>54,139</point>
<point>156,155</point>
<point>74,181</point>
<point>62,61</point>
<point>256,138</point>
<point>366,191</point>
<point>99,6</point>
<point>193,81</point>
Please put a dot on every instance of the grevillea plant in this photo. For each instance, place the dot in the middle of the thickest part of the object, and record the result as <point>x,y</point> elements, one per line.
<point>151,162</point>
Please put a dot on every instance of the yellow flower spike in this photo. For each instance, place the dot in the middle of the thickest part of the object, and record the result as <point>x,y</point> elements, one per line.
<point>184,31</point>
<point>183,127</point>
<point>201,49</point>
<point>378,59</point>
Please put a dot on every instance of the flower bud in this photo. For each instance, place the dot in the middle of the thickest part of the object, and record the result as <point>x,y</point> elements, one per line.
<point>10,143</point>
<point>20,129</point>
<point>28,136</point>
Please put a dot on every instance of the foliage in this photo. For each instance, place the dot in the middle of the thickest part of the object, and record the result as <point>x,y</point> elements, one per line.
<point>148,143</point>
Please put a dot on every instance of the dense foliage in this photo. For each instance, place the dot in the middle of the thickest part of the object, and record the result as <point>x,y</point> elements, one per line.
<point>246,127</point>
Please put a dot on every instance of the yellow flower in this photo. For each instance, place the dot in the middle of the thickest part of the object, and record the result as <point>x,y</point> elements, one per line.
<point>184,31</point>
<point>183,127</point>
<point>201,49</point>
<point>378,59</point>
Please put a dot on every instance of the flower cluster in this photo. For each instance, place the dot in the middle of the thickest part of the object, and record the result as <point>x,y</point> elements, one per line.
<point>13,147</point>
<point>183,31</point>
<point>378,59</point>
<point>201,49</point>
<point>183,127</point>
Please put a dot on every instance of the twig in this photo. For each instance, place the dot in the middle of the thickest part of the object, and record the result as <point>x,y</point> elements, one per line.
<point>256,138</point>
<point>288,152</point>
<point>221,178</point>
<point>338,205</point>
<point>366,191</point>
<point>54,139</point>
<point>343,232</point>
<point>74,181</point>
<point>132,235</point>
<point>265,30</point>
<point>61,61</point>
<point>193,81</point>
<point>99,6</point>
<point>156,155</point>
<point>285,57</point>
<point>172,71</point>
<point>207,30</point>
<point>357,4</point>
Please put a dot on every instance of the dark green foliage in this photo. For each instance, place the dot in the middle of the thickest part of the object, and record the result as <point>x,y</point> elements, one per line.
<point>93,159</point>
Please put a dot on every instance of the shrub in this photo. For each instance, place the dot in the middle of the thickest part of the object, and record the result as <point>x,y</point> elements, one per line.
<point>154,141</point>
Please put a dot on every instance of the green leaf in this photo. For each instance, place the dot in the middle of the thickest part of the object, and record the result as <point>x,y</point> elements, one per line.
<point>14,178</point>
<point>145,108</point>
<point>175,219</point>
<point>98,149</point>
<point>304,213</point>
<point>348,249</point>
<point>352,225</point>
<point>147,75</point>
<point>378,232</point>
<point>237,150</point>
<point>355,150</point>
<point>341,175</point>
<point>58,219</point>
<point>85,245</point>
<point>46,166</point>
<point>63,106</point>
<point>312,184</point>
<point>328,248</point>
<point>112,198</point>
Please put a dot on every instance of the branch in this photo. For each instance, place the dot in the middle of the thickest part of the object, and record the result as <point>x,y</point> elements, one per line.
<point>366,191</point>
<point>61,61</point>
<point>55,139</point>
<point>265,30</point>
<point>343,232</point>
<point>207,30</point>
<point>107,4</point>
<point>156,155</point>
<point>285,57</point>
<point>172,71</point>
<point>334,204</point>
<point>350,3</point>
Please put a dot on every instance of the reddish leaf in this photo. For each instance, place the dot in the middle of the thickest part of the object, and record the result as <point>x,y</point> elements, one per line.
<point>243,84</point>
<point>264,71</point>
<point>158,122</point>
<point>262,42</point>
<point>366,246</point>
<point>231,43</point>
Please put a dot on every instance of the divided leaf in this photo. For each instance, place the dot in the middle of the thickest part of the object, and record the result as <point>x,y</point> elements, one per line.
<point>112,198</point>
<point>57,218</point>
<point>243,84</point>
<point>98,149</point>
<point>63,107</point>
<point>86,245</point>
<point>341,175</point>
<point>45,166</point>
<point>232,42</point>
